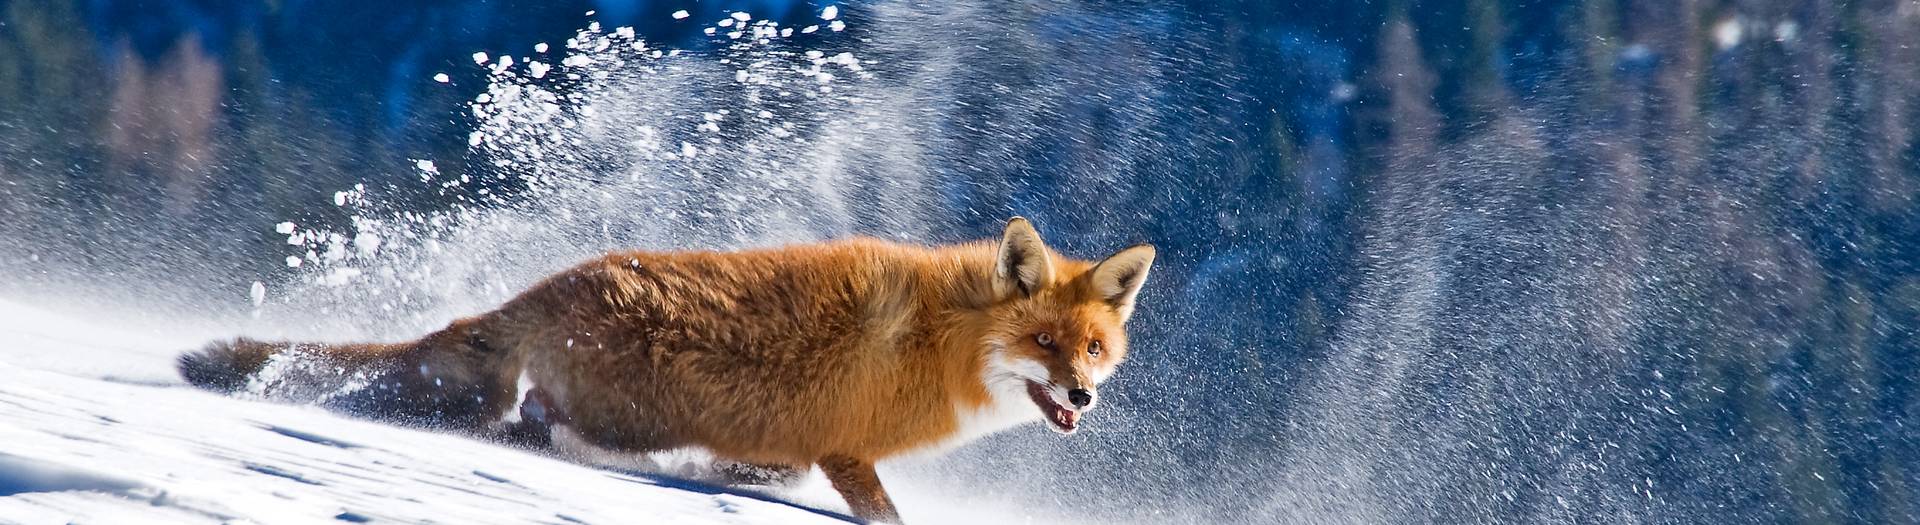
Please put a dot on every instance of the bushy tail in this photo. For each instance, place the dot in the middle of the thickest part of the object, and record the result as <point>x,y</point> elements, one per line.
<point>226,366</point>
<point>450,378</point>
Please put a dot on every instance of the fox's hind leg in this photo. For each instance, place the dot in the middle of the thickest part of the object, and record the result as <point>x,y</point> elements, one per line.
<point>769,475</point>
<point>538,414</point>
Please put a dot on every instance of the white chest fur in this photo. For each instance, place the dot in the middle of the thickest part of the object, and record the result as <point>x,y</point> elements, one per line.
<point>1008,406</point>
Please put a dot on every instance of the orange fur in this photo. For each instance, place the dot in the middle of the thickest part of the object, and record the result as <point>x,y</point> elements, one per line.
<point>838,354</point>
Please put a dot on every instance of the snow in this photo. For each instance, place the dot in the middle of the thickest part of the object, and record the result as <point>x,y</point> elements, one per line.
<point>1786,31</point>
<point>342,275</point>
<point>115,438</point>
<point>1728,33</point>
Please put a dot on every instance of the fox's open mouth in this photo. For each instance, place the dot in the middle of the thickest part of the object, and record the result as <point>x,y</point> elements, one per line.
<point>1059,418</point>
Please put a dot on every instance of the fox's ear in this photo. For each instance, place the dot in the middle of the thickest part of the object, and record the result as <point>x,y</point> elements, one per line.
<point>1118,278</point>
<point>1022,266</point>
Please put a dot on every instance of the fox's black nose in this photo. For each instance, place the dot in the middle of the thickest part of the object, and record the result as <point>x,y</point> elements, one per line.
<point>1080,397</point>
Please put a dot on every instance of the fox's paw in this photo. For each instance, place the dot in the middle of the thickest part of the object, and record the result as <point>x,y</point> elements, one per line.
<point>779,476</point>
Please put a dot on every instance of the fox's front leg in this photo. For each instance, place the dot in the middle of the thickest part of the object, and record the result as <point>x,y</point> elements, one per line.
<point>860,485</point>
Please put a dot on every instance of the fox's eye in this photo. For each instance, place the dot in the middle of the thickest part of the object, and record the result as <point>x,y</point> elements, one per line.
<point>1093,349</point>
<point>1044,339</point>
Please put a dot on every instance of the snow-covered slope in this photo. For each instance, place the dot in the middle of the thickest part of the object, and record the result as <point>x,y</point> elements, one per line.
<point>94,428</point>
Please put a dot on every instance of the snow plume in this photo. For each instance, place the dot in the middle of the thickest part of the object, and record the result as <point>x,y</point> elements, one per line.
<point>616,143</point>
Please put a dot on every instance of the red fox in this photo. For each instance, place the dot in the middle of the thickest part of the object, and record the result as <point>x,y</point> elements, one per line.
<point>837,354</point>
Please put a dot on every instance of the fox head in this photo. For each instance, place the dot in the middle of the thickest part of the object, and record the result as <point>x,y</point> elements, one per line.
<point>1058,323</point>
